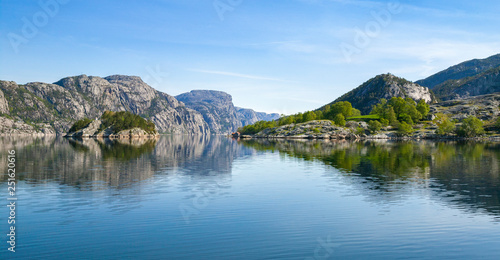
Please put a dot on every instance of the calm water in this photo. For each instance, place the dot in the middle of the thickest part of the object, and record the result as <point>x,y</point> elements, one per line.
<point>214,198</point>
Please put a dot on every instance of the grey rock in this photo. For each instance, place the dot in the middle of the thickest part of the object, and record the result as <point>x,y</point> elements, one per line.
<point>73,98</point>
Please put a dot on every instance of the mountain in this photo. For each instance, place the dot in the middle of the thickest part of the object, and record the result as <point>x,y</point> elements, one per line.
<point>249,116</point>
<point>463,70</point>
<point>384,86</point>
<point>50,108</point>
<point>487,82</point>
<point>219,111</point>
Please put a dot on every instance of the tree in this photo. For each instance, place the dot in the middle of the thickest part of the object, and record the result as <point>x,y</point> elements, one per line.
<point>384,122</point>
<point>497,124</point>
<point>398,104</point>
<point>423,108</point>
<point>445,125</point>
<point>339,119</point>
<point>405,129</point>
<point>374,126</point>
<point>471,126</point>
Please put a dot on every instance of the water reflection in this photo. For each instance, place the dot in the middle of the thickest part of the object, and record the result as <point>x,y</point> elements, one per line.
<point>90,163</point>
<point>465,174</point>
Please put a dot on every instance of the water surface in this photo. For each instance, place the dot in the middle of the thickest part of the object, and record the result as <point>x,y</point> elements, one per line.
<point>202,197</point>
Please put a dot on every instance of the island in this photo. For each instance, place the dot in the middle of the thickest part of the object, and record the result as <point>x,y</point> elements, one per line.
<point>120,125</point>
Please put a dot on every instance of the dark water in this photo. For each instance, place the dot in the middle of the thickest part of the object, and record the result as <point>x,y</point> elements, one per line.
<point>186,197</point>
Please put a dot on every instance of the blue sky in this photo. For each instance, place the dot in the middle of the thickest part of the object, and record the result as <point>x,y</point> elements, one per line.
<point>274,56</point>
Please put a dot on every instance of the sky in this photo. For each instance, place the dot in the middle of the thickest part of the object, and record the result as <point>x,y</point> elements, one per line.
<point>283,56</point>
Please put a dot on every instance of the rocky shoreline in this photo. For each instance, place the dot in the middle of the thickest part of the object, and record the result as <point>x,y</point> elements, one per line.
<point>93,131</point>
<point>326,130</point>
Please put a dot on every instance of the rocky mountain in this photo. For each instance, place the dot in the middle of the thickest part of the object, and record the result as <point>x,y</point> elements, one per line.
<point>55,107</point>
<point>385,86</point>
<point>463,70</point>
<point>487,82</point>
<point>249,116</point>
<point>219,111</point>
<point>216,107</point>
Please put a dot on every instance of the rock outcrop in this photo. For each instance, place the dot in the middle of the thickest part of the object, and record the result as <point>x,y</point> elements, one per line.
<point>60,104</point>
<point>385,86</point>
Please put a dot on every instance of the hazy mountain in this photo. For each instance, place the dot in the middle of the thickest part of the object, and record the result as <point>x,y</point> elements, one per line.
<point>216,107</point>
<point>385,86</point>
<point>249,116</point>
<point>219,111</point>
<point>55,107</point>
<point>463,70</point>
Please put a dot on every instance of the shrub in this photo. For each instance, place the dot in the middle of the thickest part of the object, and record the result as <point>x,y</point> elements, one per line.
<point>471,126</point>
<point>360,131</point>
<point>405,129</point>
<point>339,120</point>
<point>374,126</point>
<point>384,122</point>
<point>445,126</point>
<point>497,124</point>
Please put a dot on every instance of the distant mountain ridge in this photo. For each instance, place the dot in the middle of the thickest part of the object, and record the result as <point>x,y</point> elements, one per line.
<point>463,70</point>
<point>384,86</point>
<point>485,83</point>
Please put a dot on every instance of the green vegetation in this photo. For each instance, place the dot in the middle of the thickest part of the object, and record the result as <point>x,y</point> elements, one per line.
<point>125,120</point>
<point>339,120</point>
<point>398,110</point>
<point>445,125</point>
<point>374,126</point>
<point>405,129</point>
<point>80,124</point>
<point>497,124</point>
<point>337,113</point>
<point>471,127</point>
<point>385,113</point>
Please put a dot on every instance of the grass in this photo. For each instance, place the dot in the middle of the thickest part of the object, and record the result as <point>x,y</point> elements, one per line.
<point>365,118</point>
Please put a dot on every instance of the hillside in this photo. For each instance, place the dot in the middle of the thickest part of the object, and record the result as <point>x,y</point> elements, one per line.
<point>487,82</point>
<point>49,108</point>
<point>384,86</point>
<point>463,70</point>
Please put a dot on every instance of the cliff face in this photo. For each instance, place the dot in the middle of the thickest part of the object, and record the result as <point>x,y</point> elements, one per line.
<point>385,86</point>
<point>219,111</point>
<point>56,106</point>
<point>463,70</point>
<point>249,116</point>
<point>216,107</point>
<point>487,82</point>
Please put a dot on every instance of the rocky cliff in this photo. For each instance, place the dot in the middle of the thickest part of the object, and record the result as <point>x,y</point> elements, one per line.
<point>216,107</point>
<point>463,70</point>
<point>385,86</point>
<point>54,107</point>
<point>249,116</point>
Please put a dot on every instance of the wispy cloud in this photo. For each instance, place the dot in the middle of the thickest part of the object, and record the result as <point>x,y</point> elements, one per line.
<point>238,75</point>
